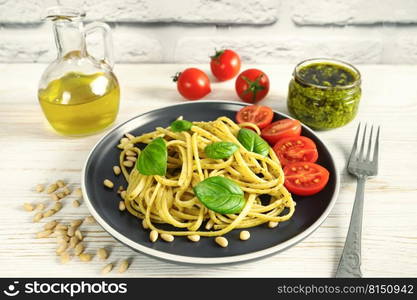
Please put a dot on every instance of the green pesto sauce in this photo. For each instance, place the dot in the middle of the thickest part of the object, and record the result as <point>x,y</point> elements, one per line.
<point>324,96</point>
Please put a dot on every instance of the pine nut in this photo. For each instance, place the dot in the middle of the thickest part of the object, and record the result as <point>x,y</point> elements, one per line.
<point>130,153</point>
<point>244,235</point>
<point>79,249</point>
<point>116,170</point>
<point>131,158</point>
<point>102,253</point>
<point>40,206</point>
<point>65,257</point>
<point>67,191</point>
<point>71,231</point>
<point>119,189</point>
<point>60,183</point>
<point>54,197</point>
<point>75,203</point>
<point>50,225</point>
<point>124,265</point>
<point>128,163</point>
<point>107,269</point>
<point>123,195</point>
<point>272,224</point>
<point>60,232</point>
<point>145,224</point>
<point>52,188</point>
<point>129,136</point>
<point>78,192</point>
<point>221,241</point>
<point>62,247</point>
<point>122,206</point>
<point>43,234</point>
<point>79,235</point>
<point>89,220</point>
<point>37,217</point>
<point>76,223</point>
<point>108,183</point>
<point>57,207</point>
<point>153,236</point>
<point>61,195</point>
<point>85,257</point>
<point>194,237</point>
<point>39,188</point>
<point>61,227</point>
<point>167,237</point>
<point>49,213</point>
<point>209,224</point>
<point>73,241</point>
<point>28,207</point>
<point>62,239</point>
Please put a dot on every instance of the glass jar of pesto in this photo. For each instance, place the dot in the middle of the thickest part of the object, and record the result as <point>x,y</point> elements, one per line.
<point>324,93</point>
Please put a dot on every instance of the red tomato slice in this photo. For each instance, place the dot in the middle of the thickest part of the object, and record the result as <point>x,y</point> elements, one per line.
<point>260,115</point>
<point>280,129</point>
<point>296,149</point>
<point>305,178</point>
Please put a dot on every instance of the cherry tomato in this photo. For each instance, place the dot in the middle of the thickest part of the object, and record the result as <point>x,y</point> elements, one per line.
<point>256,114</point>
<point>252,85</point>
<point>192,83</point>
<point>280,129</point>
<point>225,64</point>
<point>296,149</point>
<point>305,178</point>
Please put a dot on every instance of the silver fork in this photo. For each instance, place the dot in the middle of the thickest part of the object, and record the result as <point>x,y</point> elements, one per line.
<point>362,167</point>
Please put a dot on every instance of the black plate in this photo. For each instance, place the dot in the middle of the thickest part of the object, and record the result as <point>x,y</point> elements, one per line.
<point>103,203</point>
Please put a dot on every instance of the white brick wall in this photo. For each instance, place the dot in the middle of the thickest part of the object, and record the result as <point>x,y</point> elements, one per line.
<point>262,31</point>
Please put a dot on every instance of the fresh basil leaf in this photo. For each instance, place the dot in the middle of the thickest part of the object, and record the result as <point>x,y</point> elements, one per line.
<point>153,159</point>
<point>181,125</point>
<point>253,142</point>
<point>219,150</point>
<point>220,194</point>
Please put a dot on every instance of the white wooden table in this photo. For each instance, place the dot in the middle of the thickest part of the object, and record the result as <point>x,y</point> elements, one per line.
<point>31,153</point>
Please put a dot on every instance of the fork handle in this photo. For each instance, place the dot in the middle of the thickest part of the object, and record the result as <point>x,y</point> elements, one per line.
<point>350,262</point>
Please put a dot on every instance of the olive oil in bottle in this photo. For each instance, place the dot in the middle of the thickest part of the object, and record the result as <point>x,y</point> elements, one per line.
<point>79,104</point>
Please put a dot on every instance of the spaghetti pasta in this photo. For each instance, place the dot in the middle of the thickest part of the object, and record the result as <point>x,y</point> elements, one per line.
<point>170,199</point>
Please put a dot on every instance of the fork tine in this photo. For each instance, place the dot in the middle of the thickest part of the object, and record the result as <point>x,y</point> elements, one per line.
<point>355,143</point>
<point>360,156</point>
<point>376,149</point>
<point>368,154</point>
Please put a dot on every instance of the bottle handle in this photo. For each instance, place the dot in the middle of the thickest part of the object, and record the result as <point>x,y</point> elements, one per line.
<point>107,38</point>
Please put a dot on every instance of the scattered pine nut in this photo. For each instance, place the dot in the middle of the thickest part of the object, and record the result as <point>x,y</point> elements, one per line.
<point>61,195</point>
<point>108,183</point>
<point>28,207</point>
<point>39,188</point>
<point>79,235</point>
<point>43,234</point>
<point>71,231</point>
<point>194,237</point>
<point>221,241</point>
<point>61,227</point>
<point>49,213</point>
<point>60,232</point>
<point>65,257</point>
<point>128,163</point>
<point>130,153</point>
<point>209,224</point>
<point>122,206</point>
<point>73,242</point>
<point>78,192</point>
<point>60,183</point>
<point>153,236</point>
<point>62,247</point>
<point>123,195</point>
<point>52,188</point>
<point>40,206</point>
<point>167,237</point>
<point>67,191</point>
<point>62,239</point>
<point>89,220</point>
<point>50,225</point>
<point>124,265</point>
<point>116,170</point>
<point>79,249</point>
<point>131,158</point>
<point>272,224</point>
<point>75,203</point>
<point>102,253</point>
<point>107,268</point>
<point>54,197</point>
<point>244,235</point>
<point>85,257</point>
<point>37,217</point>
<point>145,224</point>
<point>57,207</point>
<point>129,136</point>
<point>76,223</point>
